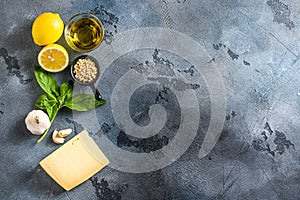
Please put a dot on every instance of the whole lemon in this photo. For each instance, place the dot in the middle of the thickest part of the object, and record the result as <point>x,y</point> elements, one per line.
<point>47,28</point>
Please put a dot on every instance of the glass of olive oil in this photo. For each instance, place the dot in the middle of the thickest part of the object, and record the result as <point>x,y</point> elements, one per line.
<point>84,32</point>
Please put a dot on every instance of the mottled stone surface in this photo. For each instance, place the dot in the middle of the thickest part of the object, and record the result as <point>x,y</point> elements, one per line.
<point>255,48</point>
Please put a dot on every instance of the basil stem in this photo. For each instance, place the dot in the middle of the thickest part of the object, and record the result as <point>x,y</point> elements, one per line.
<point>45,133</point>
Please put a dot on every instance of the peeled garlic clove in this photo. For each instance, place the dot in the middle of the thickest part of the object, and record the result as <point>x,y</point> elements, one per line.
<point>65,132</point>
<point>56,139</point>
<point>59,140</point>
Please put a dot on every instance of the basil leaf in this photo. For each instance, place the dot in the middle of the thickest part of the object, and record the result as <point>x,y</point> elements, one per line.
<point>44,101</point>
<point>83,102</point>
<point>46,81</point>
<point>52,111</point>
<point>66,88</point>
<point>65,91</point>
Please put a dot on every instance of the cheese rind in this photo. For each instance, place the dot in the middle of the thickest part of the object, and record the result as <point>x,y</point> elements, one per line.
<point>75,162</point>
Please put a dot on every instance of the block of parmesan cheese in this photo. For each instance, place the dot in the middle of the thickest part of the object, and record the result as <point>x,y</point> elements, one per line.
<point>75,162</point>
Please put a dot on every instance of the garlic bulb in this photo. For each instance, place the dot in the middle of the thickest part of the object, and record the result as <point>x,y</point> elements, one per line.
<point>37,122</point>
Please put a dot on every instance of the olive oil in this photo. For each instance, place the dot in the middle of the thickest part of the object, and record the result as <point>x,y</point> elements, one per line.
<point>84,34</point>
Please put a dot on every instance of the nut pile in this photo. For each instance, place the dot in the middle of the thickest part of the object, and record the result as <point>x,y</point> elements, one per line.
<point>85,70</point>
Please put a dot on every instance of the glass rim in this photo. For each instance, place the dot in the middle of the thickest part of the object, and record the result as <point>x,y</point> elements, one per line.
<point>87,14</point>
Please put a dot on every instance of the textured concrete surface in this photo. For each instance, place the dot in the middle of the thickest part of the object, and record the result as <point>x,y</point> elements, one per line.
<point>255,47</point>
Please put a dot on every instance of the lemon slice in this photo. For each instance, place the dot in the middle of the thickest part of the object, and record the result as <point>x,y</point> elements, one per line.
<point>53,58</point>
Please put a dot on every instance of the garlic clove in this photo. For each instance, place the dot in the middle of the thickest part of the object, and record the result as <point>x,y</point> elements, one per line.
<point>56,139</point>
<point>65,132</point>
<point>59,140</point>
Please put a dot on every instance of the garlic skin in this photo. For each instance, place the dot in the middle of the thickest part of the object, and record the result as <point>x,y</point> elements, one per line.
<point>37,122</point>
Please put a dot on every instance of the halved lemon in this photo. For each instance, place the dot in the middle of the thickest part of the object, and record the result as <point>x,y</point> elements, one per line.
<point>53,58</point>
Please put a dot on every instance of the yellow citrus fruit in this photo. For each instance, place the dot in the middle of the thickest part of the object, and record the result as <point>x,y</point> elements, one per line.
<point>47,28</point>
<point>53,58</point>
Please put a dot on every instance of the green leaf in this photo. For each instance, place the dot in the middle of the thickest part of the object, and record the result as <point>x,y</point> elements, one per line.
<point>46,81</point>
<point>52,111</point>
<point>44,101</point>
<point>65,91</point>
<point>48,103</point>
<point>66,88</point>
<point>83,102</point>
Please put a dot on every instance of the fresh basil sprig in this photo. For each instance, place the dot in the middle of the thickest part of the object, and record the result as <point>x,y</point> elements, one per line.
<point>56,97</point>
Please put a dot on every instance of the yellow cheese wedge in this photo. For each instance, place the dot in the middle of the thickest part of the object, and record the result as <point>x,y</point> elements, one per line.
<point>75,162</point>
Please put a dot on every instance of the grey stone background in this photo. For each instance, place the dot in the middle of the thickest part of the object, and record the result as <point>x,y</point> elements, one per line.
<point>256,47</point>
